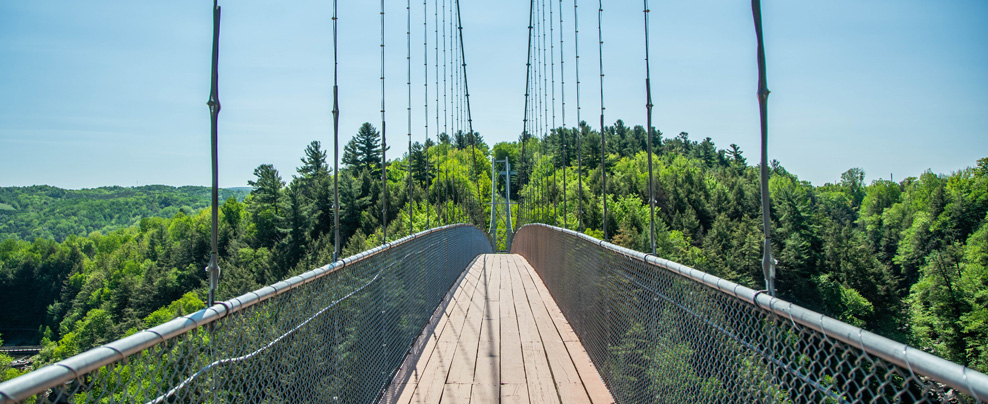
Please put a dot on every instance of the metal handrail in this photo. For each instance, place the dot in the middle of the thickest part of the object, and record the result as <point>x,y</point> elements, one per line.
<point>74,368</point>
<point>531,242</point>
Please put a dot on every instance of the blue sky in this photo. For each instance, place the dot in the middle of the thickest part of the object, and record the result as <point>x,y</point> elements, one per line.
<point>113,92</point>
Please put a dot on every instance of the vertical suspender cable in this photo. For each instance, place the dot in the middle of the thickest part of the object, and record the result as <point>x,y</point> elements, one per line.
<point>547,117</point>
<point>768,261</point>
<point>425,63</point>
<point>603,136</point>
<point>214,110</point>
<point>552,73</point>
<point>562,94</point>
<point>524,131</point>
<point>544,102</point>
<point>466,89</point>
<point>536,125</point>
<point>543,111</point>
<point>648,133</point>
<point>537,105</point>
<point>540,84</point>
<point>436,54</point>
<point>445,123</point>
<point>408,57</point>
<point>579,122</point>
<point>536,163</point>
<point>445,126</point>
<point>384,144</point>
<point>336,142</point>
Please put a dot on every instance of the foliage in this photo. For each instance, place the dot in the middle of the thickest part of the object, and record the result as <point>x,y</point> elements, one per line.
<point>42,211</point>
<point>902,259</point>
<point>907,260</point>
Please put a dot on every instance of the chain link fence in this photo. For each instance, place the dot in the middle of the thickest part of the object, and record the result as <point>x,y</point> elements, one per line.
<point>333,334</point>
<point>659,331</point>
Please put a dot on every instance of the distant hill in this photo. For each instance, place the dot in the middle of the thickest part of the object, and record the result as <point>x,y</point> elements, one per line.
<point>43,211</point>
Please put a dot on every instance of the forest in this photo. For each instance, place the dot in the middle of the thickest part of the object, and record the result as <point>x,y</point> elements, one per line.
<point>43,211</point>
<point>904,259</point>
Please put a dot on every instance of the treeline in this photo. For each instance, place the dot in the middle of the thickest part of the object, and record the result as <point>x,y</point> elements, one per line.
<point>906,259</point>
<point>43,211</point>
<point>89,290</point>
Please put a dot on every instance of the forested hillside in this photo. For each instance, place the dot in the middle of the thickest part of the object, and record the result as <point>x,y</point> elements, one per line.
<point>906,259</point>
<point>43,211</point>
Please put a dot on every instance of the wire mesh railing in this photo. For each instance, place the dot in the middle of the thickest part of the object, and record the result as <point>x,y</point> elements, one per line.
<point>658,331</point>
<point>334,334</point>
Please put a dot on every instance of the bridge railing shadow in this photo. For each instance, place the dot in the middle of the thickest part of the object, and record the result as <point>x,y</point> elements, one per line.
<point>658,331</point>
<point>334,334</point>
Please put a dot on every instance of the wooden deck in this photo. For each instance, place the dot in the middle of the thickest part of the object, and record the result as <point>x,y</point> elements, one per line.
<point>498,337</point>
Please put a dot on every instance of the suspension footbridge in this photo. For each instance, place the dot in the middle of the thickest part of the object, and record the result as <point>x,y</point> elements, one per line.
<point>558,317</point>
<point>435,317</point>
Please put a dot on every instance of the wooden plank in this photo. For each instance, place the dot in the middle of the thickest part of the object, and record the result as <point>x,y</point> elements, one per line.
<point>564,372</point>
<point>465,360</point>
<point>596,389</point>
<point>494,289</point>
<point>523,310</point>
<point>512,362</point>
<point>402,391</point>
<point>456,393</point>
<point>500,338</point>
<point>586,375</point>
<point>514,393</point>
<point>487,377</point>
<point>430,388</point>
<point>564,328</point>
<point>485,393</point>
<point>541,387</point>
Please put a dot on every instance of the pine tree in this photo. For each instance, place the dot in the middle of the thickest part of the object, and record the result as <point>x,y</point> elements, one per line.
<point>267,186</point>
<point>364,150</point>
<point>314,162</point>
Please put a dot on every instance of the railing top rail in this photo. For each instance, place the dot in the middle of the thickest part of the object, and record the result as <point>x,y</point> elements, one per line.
<point>74,367</point>
<point>962,378</point>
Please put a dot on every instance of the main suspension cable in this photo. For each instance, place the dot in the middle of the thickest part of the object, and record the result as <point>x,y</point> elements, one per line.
<point>524,132</point>
<point>466,89</point>
<point>455,97</point>
<point>451,155</point>
<point>648,133</point>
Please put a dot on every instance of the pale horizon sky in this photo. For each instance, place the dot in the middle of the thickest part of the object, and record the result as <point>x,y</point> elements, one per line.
<point>114,92</point>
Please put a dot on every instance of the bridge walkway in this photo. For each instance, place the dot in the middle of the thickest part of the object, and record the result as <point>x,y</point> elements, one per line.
<point>498,337</point>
